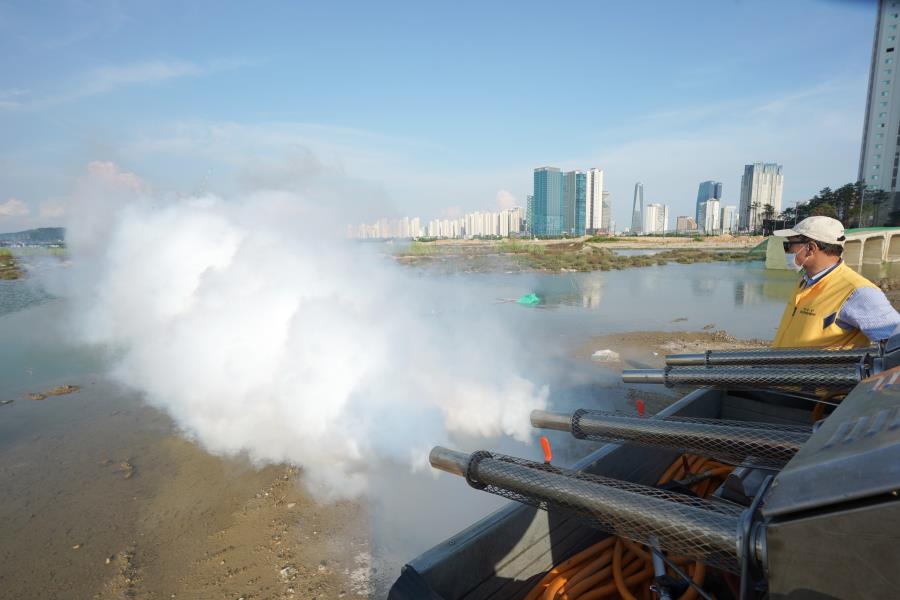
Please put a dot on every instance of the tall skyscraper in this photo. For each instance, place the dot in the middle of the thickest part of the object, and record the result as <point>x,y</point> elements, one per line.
<point>606,226</point>
<point>709,214</point>
<point>637,209</point>
<point>656,218</point>
<point>761,184</point>
<point>580,203</point>
<point>707,191</point>
<point>549,207</point>
<point>574,190</point>
<point>594,196</point>
<point>880,155</point>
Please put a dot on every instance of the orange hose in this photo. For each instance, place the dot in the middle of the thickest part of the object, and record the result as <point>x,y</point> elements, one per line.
<point>568,564</point>
<point>611,588</point>
<point>670,471</point>
<point>582,576</point>
<point>589,583</point>
<point>591,568</point>
<point>698,576</point>
<point>618,576</point>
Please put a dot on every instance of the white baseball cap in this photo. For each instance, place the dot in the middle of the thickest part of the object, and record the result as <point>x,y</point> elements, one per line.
<point>821,229</point>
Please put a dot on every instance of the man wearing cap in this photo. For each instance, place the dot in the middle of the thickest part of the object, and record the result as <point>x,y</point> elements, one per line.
<point>833,306</point>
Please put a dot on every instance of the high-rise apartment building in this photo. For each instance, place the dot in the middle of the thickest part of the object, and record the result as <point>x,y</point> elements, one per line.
<point>879,158</point>
<point>548,201</point>
<point>709,216</point>
<point>605,224</point>
<point>637,209</point>
<point>574,202</point>
<point>594,201</point>
<point>729,219</point>
<point>565,202</point>
<point>656,218</point>
<point>761,185</point>
<point>708,190</point>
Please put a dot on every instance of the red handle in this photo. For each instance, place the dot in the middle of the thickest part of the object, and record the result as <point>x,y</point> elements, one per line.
<point>545,444</point>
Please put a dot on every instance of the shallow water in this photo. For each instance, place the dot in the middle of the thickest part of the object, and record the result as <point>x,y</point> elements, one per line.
<point>57,490</point>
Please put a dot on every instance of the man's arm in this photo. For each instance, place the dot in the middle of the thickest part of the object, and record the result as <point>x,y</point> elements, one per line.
<point>869,310</point>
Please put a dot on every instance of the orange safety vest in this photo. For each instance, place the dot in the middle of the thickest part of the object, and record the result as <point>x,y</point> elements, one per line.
<point>810,318</point>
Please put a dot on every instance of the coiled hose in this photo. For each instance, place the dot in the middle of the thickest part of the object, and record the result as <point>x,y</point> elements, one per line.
<point>620,568</point>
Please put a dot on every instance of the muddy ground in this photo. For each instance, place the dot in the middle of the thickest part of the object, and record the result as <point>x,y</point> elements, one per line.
<point>100,497</point>
<point>648,349</point>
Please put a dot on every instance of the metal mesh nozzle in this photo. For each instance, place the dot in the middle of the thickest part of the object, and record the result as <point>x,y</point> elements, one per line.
<point>771,357</point>
<point>678,523</point>
<point>804,378</point>
<point>737,442</point>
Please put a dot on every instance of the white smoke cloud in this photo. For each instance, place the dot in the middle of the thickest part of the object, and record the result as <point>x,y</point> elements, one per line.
<point>13,207</point>
<point>262,334</point>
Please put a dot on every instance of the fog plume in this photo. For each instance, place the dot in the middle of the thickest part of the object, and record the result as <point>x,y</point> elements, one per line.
<point>261,332</point>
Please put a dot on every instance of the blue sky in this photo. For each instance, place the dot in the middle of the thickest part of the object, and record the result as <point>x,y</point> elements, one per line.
<point>425,108</point>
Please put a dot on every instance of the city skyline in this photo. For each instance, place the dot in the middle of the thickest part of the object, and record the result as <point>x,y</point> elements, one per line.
<point>212,111</point>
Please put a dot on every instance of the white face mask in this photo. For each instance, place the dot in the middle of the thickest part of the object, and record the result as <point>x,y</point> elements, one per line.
<point>790,259</point>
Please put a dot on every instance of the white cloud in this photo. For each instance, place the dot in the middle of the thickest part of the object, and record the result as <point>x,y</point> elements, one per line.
<point>108,173</point>
<point>13,208</point>
<point>505,200</point>
<point>105,79</point>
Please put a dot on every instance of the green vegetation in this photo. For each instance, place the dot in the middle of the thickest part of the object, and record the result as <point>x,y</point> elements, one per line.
<point>9,266</point>
<point>416,249</point>
<point>697,238</point>
<point>575,256</point>
<point>602,239</point>
<point>514,246</point>
<point>853,204</point>
<point>518,255</point>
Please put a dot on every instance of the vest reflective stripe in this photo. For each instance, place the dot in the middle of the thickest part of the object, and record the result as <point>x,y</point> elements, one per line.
<point>809,319</point>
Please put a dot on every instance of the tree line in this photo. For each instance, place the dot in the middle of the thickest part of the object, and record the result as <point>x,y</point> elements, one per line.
<point>853,204</point>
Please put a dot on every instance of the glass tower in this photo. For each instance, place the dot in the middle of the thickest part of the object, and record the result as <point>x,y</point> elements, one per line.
<point>637,209</point>
<point>580,202</point>
<point>709,190</point>
<point>548,201</point>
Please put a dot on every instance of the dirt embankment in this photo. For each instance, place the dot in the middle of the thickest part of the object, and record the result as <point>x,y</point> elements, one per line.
<point>648,349</point>
<point>9,266</point>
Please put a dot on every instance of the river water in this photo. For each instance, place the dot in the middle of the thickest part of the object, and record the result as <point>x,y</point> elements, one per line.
<point>56,488</point>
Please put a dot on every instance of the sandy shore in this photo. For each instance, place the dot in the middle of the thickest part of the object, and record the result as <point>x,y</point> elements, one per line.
<point>100,497</point>
<point>648,349</point>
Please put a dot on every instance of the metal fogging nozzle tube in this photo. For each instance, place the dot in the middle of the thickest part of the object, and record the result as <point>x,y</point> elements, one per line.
<point>681,524</point>
<point>771,357</point>
<point>738,442</point>
<point>836,377</point>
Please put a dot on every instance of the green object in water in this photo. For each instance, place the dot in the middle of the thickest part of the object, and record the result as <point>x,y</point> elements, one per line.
<point>531,299</point>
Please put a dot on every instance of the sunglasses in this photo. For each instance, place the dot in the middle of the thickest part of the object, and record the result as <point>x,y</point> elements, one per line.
<point>787,245</point>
